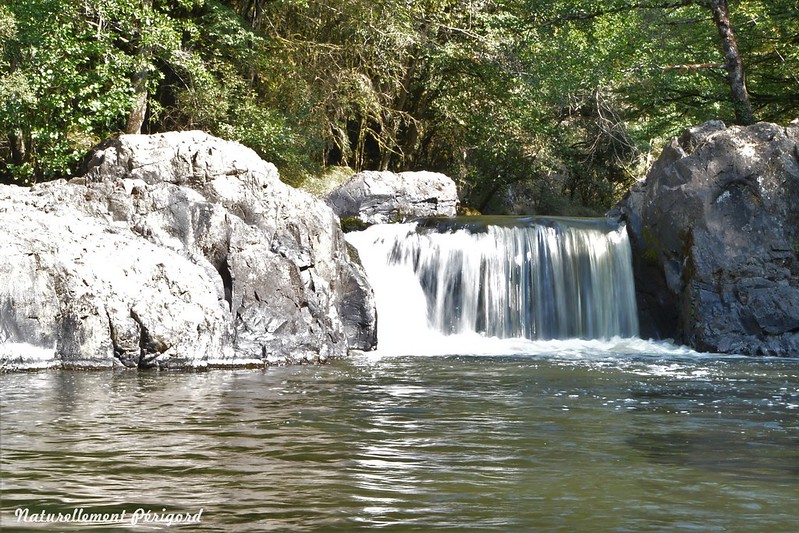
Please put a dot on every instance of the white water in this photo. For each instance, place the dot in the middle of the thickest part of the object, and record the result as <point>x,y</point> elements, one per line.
<point>527,287</point>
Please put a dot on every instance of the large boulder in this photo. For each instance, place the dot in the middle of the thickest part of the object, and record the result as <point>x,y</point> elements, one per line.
<point>383,197</point>
<point>176,250</point>
<point>715,233</point>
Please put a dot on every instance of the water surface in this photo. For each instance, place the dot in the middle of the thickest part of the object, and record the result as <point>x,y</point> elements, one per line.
<point>559,441</point>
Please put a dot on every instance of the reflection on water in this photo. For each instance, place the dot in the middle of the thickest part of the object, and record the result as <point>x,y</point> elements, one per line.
<point>514,443</point>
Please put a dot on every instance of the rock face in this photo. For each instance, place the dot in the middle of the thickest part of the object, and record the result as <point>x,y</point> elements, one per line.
<point>383,197</point>
<point>175,250</point>
<point>715,232</point>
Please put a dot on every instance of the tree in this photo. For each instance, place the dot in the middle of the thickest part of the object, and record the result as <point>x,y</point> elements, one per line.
<point>141,76</point>
<point>733,62</point>
<point>564,99</point>
<point>64,85</point>
<point>77,71</point>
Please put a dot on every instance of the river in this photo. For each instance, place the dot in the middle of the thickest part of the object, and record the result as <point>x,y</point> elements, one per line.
<point>491,405</point>
<point>630,436</point>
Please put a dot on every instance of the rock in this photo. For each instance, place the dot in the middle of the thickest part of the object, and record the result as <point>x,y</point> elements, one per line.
<point>176,250</point>
<point>78,293</point>
<point>384,197</point>
<point>715,235</point>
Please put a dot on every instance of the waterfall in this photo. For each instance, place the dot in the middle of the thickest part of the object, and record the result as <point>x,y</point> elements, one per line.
<point>501,277</point>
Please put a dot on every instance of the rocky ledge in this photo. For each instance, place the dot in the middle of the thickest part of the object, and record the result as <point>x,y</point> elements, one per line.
<point>715,235</point>
<point>374,197</point>
<point>177,250</point>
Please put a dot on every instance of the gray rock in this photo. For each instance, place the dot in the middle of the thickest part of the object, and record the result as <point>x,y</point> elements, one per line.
<point>76,292</point>
<point>384,197</point>
<point>191,253</point>
<point>715,232</point>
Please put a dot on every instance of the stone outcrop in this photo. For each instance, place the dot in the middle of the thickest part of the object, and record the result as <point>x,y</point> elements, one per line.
<point>715,233</point>
<point>175,250</point>
<point>383,197</point>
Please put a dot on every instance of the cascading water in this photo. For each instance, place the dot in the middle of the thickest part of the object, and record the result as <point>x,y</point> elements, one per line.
<point>500,277</point>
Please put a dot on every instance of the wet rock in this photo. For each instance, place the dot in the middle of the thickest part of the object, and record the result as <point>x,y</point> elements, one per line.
<point>715,232</point>
<point>382,197</point>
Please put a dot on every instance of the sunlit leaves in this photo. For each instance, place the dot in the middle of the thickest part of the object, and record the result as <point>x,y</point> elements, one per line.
<point>565,96</point>
<point>61,88</point>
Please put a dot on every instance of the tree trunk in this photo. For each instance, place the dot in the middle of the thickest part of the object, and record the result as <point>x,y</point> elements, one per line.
<point>139,109</point>
<point>733,63</point>
<point>136,116</point>
<point>19,152</point>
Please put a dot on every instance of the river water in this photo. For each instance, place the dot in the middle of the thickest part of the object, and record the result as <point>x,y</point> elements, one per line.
<point>562,436</point>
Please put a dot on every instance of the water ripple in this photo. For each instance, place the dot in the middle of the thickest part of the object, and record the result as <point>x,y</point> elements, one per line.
<point>505,443</point>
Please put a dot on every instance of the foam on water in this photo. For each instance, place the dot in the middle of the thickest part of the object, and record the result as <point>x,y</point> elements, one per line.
<point>524,287</point>
<point>16,356</point>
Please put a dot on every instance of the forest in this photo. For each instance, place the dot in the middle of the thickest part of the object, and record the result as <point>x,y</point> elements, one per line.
<point>542,106</point>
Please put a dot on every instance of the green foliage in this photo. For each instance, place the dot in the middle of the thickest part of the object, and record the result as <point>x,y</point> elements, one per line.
<point>547,106</point>
<point>349,224</point>
<point>61,89</point>
<point>769,40</point>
